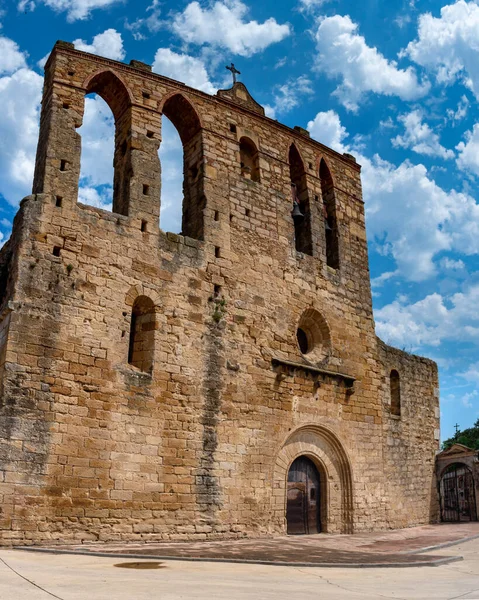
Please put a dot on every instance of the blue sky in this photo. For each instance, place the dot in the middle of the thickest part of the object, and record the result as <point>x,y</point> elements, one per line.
<point>394,83</point>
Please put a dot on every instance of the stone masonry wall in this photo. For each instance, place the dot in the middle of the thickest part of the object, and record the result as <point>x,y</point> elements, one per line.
<point>94,448</point>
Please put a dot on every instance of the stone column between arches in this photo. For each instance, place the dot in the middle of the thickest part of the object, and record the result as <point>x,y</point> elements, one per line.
<point>324,448</point>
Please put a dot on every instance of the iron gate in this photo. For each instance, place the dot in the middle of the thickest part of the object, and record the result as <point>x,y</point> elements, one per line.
<point>458,498</point>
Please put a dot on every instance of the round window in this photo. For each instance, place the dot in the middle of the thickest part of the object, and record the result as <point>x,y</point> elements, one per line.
<point>313,336</point>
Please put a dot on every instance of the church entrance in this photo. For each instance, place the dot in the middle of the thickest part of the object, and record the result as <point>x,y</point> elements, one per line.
<point>458,501</point>
<point>303,498</point>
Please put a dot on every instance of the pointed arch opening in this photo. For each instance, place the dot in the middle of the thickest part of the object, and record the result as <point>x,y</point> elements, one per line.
<point>395,390</point>
<point>249,159</point>
<point>300,198</point>
<point>181,114</point>
<point>141,348</point>
<point>330,215</point>
<point>109,138</point>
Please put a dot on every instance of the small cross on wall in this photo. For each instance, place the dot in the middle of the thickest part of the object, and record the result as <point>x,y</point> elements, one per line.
<point>234,72</point>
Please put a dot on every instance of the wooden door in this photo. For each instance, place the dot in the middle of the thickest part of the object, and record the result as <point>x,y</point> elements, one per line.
<point>303,498</point>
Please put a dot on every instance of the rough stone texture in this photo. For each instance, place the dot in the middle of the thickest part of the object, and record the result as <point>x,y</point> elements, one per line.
<point>93,448</point>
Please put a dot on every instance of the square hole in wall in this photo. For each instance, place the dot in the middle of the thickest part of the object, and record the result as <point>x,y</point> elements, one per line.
<point>247,212</point>
<point>217,291</point>
<point>217,215</point>
<point>144,225</point>
<point>146,189</point>
<point>310,165</point>
<point>149,134</point>
<point>56,250</point>
<point>217,252</point>
<point>71,73</point>
<point>63,165</point>
<point>145,95</point>
<point>232,128</point>
<point>66,105</point>
<point>58,201</point>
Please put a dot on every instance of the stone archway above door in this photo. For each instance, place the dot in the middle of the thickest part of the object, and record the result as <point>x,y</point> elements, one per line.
<point>323,447</point>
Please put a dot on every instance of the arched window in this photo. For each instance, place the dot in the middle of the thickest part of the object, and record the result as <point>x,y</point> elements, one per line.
<point>249,159</point>
<point>113,92</point>
<point>178,110</point>
<point>395,388</point>
<point>300,203</point>
<point>329,213</point>
<point>142,334</point>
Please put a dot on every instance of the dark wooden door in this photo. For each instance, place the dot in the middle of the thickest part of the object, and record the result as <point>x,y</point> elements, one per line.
<point>302,500</point>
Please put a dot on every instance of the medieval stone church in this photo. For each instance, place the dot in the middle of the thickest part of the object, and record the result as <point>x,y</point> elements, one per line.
<point>224,382</point>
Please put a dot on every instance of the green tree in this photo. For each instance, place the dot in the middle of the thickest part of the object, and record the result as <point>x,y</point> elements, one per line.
<point>468,437</point>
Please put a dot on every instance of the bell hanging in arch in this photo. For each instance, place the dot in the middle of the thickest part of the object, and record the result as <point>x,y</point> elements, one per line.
<point>327,226</point>
<point>296,212</point>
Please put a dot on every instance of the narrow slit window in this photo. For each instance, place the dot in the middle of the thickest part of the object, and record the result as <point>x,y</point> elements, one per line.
<point>142,334</point>
<point>395,388</point>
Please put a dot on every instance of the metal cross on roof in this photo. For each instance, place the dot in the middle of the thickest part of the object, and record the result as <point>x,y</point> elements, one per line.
<point>234,72</point>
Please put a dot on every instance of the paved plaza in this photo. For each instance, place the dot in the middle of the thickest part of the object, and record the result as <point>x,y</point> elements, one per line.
<point>42,576</point>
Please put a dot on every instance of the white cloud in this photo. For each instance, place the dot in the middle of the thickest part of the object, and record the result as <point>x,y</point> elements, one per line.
<point>449,45</point>
<point>20,95</point>
<point>461,111</point>
<point>468,159</point>
<point>452,265</point>
<point>311,5</point>
<point>472,374</point>
<point>94,197</point>
<point>223,24</point>
<point>184,68</point>
<point>289,95</point>
<point>419,137</point>
<point>75,9</point>
<point>343,53</point>
<point>108,44</point>
<point>152,22</point>
<point>11,59</point>
<point>327,129</point>
<point>409,216</point>
<point>430,321</point>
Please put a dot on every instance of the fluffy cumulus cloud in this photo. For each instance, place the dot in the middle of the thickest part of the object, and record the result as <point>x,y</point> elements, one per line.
<point>468,159</point>
<point>184,68</point>
<point>409,217</point>
<point>11,59</point>
<point>224,24</point>
<point>449,45</point>
<point>344,54</point>
<point>430,321</point>
<point>327,129</point>
<point>20,95</point>
<point>75,9</point>
<point>419,137</point>
<point>108,44</point>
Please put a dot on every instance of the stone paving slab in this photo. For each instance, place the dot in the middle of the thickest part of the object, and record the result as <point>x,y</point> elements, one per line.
<point>404,547</point>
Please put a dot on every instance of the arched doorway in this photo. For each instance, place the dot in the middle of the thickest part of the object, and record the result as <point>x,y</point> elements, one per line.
<point>458,501</point>
<point>303,498</point>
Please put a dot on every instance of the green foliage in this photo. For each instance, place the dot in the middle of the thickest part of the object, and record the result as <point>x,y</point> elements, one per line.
<point>468,437</point>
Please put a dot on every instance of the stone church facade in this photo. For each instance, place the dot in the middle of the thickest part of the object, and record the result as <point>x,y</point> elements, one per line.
<point>161,386</point>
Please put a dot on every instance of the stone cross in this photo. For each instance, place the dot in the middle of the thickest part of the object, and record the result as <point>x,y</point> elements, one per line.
<point>234,72</point>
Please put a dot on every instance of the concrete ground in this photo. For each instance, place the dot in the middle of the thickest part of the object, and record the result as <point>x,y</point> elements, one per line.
<point>37,576</point>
